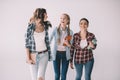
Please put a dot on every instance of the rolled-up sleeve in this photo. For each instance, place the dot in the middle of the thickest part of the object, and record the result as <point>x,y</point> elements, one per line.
<point>27,35</point>
<point>72,49</point>
<point>94,41</point>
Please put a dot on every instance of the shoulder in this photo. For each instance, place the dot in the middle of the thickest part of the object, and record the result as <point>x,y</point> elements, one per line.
<point>55,29</point>
<point>90,34</point>
<point>31,25</point>
<point>32,20</point>
<point>76,34</point>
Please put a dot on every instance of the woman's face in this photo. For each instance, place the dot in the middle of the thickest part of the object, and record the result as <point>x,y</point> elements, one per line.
<point>83,25</point>
<point>63,20</point>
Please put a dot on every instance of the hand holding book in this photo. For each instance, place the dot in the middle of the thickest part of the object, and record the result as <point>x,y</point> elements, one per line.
<point>67,40</point>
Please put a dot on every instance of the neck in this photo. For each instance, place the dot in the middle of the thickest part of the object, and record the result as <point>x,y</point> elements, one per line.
<point>83,31</point>
<point>39,25</point>
<point>83,34</point>
<point>63,28</point>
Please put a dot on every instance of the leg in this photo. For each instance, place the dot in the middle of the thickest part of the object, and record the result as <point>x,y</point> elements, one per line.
<point>79,69</point>
<point>88,69</point>
<point>43,61</point>
<point>65,64</point>
<point>33,70</point>
<point>56,65</point>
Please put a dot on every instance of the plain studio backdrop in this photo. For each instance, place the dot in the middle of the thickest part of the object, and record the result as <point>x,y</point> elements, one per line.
<point>104,18</point>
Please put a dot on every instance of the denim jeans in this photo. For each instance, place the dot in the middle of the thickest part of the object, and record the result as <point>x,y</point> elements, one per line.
<point>60,65</point>
<point>88,70</point>
<point>38,70</point>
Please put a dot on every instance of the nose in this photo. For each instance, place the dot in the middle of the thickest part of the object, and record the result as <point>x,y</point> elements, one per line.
<point>84,26</point>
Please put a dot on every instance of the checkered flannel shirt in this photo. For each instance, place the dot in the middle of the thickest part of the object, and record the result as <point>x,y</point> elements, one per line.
<point>30,42</point>
<point>82,55</point>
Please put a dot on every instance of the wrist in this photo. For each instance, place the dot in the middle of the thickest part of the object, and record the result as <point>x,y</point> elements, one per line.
<point>69,45</point>
<point>28,58</point>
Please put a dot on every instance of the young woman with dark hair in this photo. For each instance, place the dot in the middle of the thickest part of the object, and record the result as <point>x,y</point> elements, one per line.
<point>81,50</point>
<point>37,44</point>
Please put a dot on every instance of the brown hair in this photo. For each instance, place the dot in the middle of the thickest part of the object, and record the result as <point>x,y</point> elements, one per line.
<point>38,14</point>
<point>68,30</point>
<point>85,20</point>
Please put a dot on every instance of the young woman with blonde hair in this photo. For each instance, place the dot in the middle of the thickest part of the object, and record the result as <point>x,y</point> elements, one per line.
<point>62,42</point>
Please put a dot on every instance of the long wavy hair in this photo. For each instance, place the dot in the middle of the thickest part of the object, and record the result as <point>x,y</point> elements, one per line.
<point>38,14</point>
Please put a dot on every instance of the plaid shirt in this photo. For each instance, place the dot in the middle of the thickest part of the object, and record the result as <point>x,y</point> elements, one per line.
<point>82,55</point>
<point>30,42</point>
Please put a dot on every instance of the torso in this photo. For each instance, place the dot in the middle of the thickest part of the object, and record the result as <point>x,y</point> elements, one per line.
<point>39,29</point>
<point>60,46</point>
<point>40,41</point>
<point>39,35</point>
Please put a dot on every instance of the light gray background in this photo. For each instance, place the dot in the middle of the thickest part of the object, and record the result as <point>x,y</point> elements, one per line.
<point>104,17</point>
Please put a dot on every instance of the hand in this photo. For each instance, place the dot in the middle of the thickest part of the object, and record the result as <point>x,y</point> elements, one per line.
<point>29,61</point>
<point>66,43</point>
<point>71,65</point>
<point>91,44</point>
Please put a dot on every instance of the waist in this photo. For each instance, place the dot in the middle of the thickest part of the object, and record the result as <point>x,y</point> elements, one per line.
<point>61,48</point>
<point>40,47</point>
<point>61,51</point>
<point>42,51</point>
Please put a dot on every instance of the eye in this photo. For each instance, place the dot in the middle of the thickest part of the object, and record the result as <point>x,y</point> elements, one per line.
<point>81,23</point>
<point>85,23</point>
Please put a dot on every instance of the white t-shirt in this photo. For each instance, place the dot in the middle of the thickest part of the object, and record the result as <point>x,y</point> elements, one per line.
<point>60,46</point>
<point>40,41</point>
<point>83,43</point>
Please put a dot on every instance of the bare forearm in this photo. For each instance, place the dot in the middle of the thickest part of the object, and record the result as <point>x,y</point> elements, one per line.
<point>28,53</point>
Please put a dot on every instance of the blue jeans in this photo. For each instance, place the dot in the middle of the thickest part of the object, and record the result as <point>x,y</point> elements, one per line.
<point>60,65</point>
<point>88,70</point>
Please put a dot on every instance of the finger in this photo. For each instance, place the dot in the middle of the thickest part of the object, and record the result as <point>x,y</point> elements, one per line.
<point>33,62</point>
